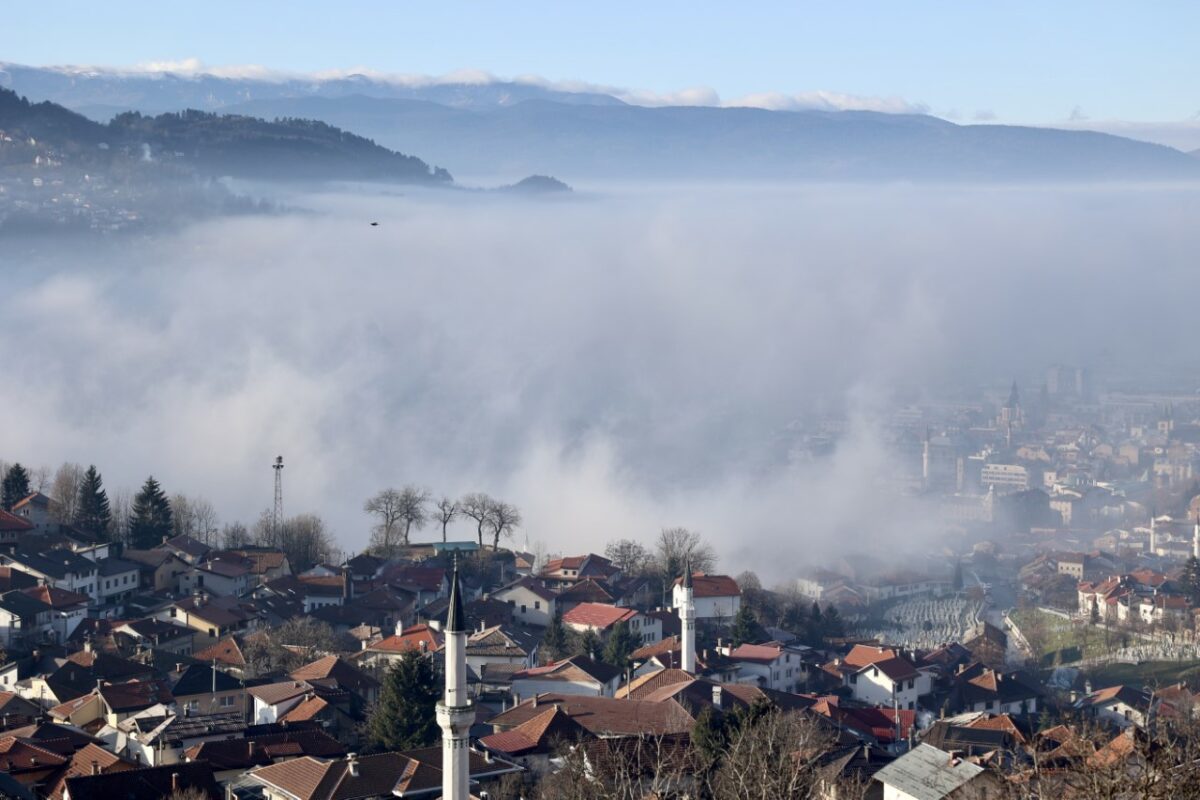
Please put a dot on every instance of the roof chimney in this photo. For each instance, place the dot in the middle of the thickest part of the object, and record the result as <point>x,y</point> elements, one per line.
<point>535,697</point>
<point>716,695</point>
<point>174,775</point>
<point>95,767</point>
<point>352,766</point>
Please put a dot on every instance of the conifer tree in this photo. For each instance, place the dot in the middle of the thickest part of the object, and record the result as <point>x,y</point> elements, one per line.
<point>556,641</point>
<point>620,645</point>
<point>405,717</point>
<point>746,629</point>
<point>92,513</point>
<point>15,486</point>
<point>151,519</point>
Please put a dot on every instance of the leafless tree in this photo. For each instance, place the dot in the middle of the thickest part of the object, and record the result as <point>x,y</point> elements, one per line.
<point>633,768</point>
<point>304,539</point>
<point>676,547</point>
<point>503,519</point>
<point>477,506</point>
<point>119,504</point>
<point>447,510</point>
<point>771,757</point>
<point>398,512</point>
<point>64,492</point>
<point>234,535</point>
<point>629,556</point>
<point>195,517</point>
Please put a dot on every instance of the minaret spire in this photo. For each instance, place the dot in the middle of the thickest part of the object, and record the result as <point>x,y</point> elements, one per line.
<point>456,712</point>
<point>1153,537</point>
<point>1196,538</point>
<point>687,618</point>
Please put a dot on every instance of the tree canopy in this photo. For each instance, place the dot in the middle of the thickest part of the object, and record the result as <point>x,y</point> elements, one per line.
<point>405,717</point>
<point>151,519</point>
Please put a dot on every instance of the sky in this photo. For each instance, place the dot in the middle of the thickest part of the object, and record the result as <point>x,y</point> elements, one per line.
<point>1022,61</point>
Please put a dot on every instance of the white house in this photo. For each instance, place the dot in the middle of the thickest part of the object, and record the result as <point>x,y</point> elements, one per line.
<point>1122,706</point>
<point>601,618</point>
<point>927,773</point>
<point>889,682</point>
<point>531,601</point>
<point>768,666</point>
<point>578,675</point>
<point>116,579</point>
<point>59,567</point>
<point>23,619</point>
<point>717,597</point>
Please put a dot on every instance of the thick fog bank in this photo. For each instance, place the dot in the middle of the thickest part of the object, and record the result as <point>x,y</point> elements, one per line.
<point>611,363</point>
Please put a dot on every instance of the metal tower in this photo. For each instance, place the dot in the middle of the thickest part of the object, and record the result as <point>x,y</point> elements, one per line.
<point>277,515</point>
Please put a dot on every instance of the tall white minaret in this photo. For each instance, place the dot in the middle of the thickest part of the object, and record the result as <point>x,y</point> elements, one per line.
<point>456,712</point>
<point>1196,538</point>
<point>1153,538</point>
<point>687,618</point>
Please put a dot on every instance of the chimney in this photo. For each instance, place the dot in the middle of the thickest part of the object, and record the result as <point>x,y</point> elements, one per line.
<point>174,781</point>
<point>365,644</point>
<point>179,666</point>
<point>352,766</point>
<point>424,646</point>
<point>87,643</point>
<point>95,767</point>
<point>535,698</point>
<point>716,695</point>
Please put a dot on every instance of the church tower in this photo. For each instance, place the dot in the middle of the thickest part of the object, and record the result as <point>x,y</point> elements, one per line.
<point>687,618</point>
<point>456,712</point>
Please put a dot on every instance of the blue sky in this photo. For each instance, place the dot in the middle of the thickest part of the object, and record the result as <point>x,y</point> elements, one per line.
<point>1020,61</point>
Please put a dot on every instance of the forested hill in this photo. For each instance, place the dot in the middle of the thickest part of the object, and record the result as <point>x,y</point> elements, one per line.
<point>210,145</point>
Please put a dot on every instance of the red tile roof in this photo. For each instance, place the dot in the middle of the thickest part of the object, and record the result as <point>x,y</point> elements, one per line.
<point>411,639</point>
<point>11,523</point>
<point>598,615</point>
<point>712,585</point>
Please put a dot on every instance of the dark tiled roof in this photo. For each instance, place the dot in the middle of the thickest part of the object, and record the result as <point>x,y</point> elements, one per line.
<point>260,750</point>
<point>199,679</point>
<point>151,783</point>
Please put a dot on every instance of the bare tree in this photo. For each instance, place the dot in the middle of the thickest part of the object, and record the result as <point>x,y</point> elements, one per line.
<point>477,506</point>
<point>676,547</point>
<point>120,504</point>
<point>770,757</point>
<point>629,556</point>
<point>39,479</point>
<point>447,510</point>
<point>234,536</point>
<point>503,519</point>
<point>304,539</point>
<point>398,511</point>
<point>64,491</point>
<point>195,517</point>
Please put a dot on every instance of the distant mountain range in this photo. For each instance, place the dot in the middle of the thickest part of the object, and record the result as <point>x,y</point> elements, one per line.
<point>510,129</point>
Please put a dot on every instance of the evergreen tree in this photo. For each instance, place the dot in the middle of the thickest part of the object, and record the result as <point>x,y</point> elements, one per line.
<point>588,644</point>
<point>1191,579</point>
<point>405,717</point>
<point>620,645</point>
<point>709,738</point>
<point>15,486</point>
<point>746,629</point>
<point>1095,612</point>
<point>556,642</point>
<point>92,513</point>
<point>795,618</point>
<point>832,625</point>
<point>151,519</point>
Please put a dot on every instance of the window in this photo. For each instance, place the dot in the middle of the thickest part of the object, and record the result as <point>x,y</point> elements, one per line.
<point>227,701</point>
<point>523,608</point>
<point>910,684</point>
<point>537,605</point>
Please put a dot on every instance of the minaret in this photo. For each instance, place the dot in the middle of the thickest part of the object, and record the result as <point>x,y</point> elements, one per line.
<point>687,618</point>
<point>1196,538</point>
<point>456,712</point>
<point>925,461</point>
<point>1153,542</point>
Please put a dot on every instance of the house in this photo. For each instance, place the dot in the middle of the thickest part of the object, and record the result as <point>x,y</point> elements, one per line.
<point>161,735</point>
<point>416,773</point>
<point>24,620</point>
<point>274,701</point>
<point>601,618</point>
<point>214,616</point>
<point>185,547</point>
<point>12,528</point>
<point>67,609</point>
<point>150,783</point>
<point>579,675</point>
<point>927,773</point>
<point>333,671</point>
<point>158,635</point>
<point>227,653</point>
<point>27,763</point>
<point>160,570</point>
<point>116,579</point>
<point>312,592</point>
<point>534,742</point>
<point>560,573</point>
<point>224,578</point>
<point>717,598</point>
<point>588,590</point>
<point>200,690</point>
<point>265,563</point>
<point>391,648</point>
<point>230,758</point>
<point>91,759</point>
<point>532,601</point>
<point>882,676</point>
<point>58,567</point>
<point>980,688</point>
<point>1121,706</point>
<point>497,646</point>
<point>770,666</point>
<point>34,509</point>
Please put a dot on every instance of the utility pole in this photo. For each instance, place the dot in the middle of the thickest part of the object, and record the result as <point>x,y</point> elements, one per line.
<point>277,516</point>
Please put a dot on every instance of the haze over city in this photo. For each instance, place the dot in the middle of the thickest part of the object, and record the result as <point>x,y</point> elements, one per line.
<point>819,378</point>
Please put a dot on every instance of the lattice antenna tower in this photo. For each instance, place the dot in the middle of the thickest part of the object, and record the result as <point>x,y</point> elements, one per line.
<point>277,514</point>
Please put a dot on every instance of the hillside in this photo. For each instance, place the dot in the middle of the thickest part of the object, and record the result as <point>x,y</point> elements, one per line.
<point>206,144</point>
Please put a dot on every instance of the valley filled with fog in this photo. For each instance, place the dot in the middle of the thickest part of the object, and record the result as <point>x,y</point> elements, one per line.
<point>612,361</point>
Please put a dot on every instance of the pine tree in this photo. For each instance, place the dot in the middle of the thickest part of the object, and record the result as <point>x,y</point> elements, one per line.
<point>151,519</point>
<point>555,641</point>
<point>405,717</point>
<point>92,513</point>
<point>832,625</point>
<point>588,644</point>
<point>746,629</point>
<point>620,645</point>
<point>15,486</point>
<point>1095,612</point>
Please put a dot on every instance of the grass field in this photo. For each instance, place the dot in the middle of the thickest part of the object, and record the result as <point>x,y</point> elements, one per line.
<point>1053,635</point>
<point>1148,673</point>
